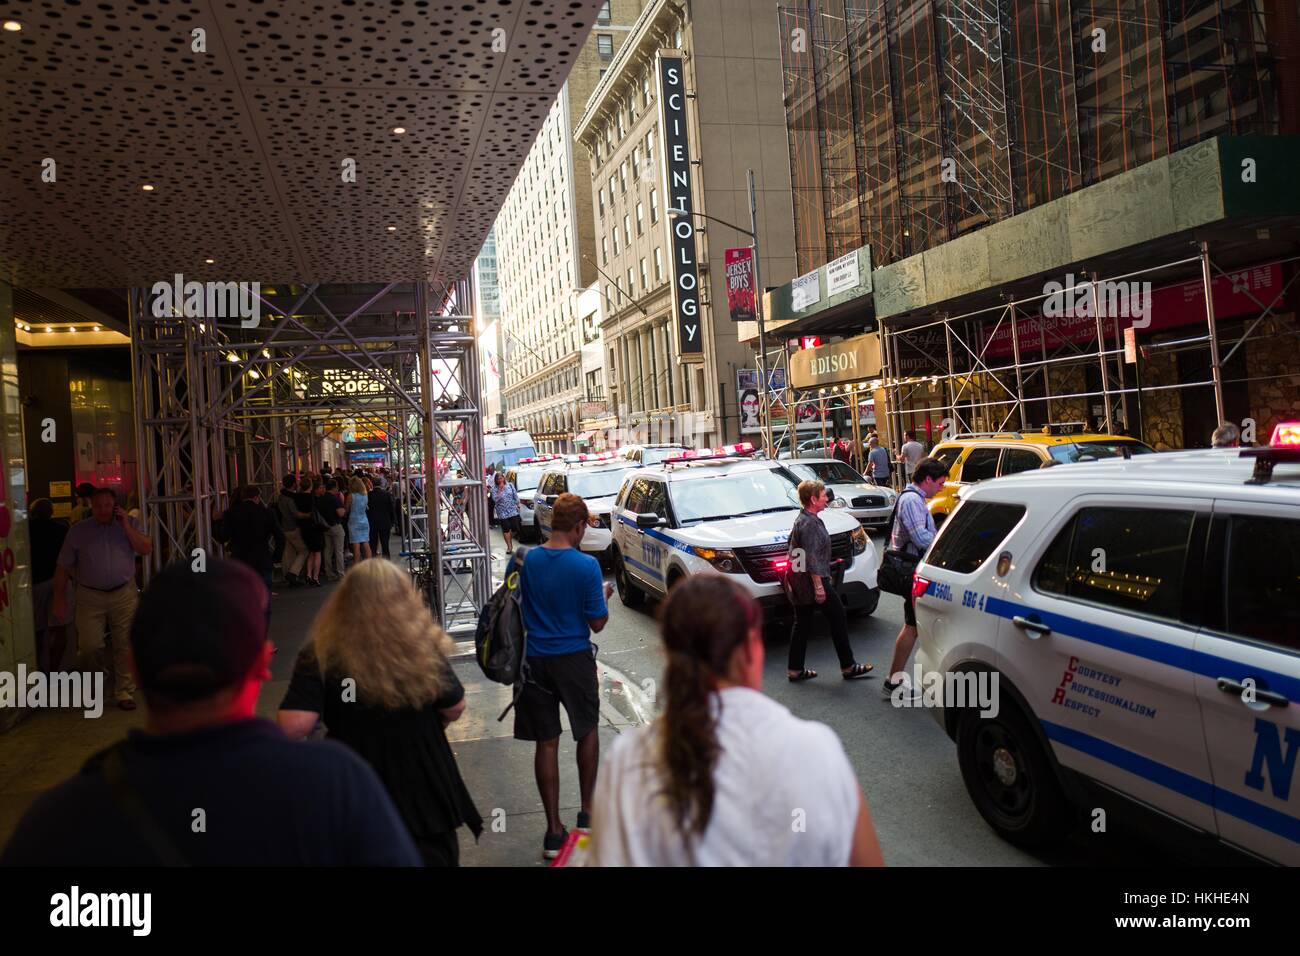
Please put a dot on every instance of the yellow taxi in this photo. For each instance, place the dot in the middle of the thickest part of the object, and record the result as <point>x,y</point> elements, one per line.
<point>979,456</point>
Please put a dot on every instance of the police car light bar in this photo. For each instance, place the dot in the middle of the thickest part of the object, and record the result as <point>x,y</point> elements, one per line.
<point>589,459</point>
<point>1284,446</point>
<point>528,461</point>
<point>707,454</point>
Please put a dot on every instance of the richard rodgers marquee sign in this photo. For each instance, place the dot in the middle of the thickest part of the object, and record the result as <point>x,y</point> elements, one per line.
<point>677,187</point>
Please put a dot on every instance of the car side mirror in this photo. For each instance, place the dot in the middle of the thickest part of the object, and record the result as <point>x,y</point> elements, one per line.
<point>648,520</point>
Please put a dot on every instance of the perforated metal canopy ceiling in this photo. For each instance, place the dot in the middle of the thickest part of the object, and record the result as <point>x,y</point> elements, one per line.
<point>245,144</point>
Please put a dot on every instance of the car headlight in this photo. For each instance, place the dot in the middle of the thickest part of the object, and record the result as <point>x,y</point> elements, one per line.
<point>839,503</point>
<point>597,521</point>
<point>724,559</point>
<point>859,538</point>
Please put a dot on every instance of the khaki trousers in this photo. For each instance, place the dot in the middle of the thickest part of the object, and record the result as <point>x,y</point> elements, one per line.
<point>98,611</point>
<point>295,552</point>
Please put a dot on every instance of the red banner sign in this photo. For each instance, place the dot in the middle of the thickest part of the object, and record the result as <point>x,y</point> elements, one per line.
<point>740,284</point>
<point>1171,307</point>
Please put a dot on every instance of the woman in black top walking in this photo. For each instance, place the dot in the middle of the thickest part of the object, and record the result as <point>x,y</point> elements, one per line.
<point>811,588</point>
<point>376,671</point>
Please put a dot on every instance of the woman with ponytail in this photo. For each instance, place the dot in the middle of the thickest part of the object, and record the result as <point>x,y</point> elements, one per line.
<point>726,776</point>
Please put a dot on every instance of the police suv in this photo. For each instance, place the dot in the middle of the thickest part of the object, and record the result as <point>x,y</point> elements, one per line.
<point>593,478</point>
<point>1143,620</point>
<point>719,510</point>
<point>525,476</point>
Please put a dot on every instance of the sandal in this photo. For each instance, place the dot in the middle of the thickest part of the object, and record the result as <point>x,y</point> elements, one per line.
<point>857,671</point>
<point>804,674</point>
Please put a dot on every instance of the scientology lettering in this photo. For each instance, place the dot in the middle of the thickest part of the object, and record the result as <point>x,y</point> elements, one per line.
<point>677,187</point>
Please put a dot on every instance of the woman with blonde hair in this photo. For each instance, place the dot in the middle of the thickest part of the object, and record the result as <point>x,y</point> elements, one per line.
<point>358,524</point>
<point>375,669</point>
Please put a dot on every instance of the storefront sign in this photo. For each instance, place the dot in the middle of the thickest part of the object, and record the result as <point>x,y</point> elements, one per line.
<point>852,360</point>
<point>677,187</point>
<point>842,274</point>
<point>740,284</point>
<point>60,489</point>
<point>805,291</point>
<point>588,410</point>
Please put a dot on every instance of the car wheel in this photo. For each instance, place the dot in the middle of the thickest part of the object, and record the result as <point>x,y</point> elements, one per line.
<point>631,595</point>
<point>873,601</point>
<point>1010,777</point>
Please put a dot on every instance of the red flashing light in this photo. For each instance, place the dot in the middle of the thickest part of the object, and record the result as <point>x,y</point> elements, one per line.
<point>919,585</point>
<point>1285,435</point>
<point>780,565</point>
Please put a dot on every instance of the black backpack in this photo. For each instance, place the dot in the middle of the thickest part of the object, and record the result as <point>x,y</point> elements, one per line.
<point>499,640</point>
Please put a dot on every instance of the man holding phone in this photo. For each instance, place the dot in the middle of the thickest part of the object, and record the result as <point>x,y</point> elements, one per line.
<point>99,554</point>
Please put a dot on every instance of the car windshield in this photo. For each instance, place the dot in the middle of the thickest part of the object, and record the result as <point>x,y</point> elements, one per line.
<point>653,456</point>
<point>726,496</point>
<point>1094,450</point>
<point>596,484</point>
<point>509,457</point>
<point>526,479</point>
<point>829,472</point>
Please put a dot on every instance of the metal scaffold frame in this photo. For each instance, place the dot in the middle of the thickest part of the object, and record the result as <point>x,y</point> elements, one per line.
<point>963,366</point>
<point>220,406</point>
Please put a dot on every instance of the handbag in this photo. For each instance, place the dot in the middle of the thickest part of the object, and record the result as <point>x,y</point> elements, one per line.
<point>897,565</point>
<point>798,585</point>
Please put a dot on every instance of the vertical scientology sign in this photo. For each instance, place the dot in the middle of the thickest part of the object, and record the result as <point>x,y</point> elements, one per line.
<point>677,187</point>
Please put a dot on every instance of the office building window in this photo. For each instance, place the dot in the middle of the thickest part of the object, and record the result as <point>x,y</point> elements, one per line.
<point>622,175</point>
<point>654,206</point>
<point>650,148</point>
<point>659,265</point>
<point>645,283</point>
<point>605,45</point>
<point>645,88</point>
<point>604,251</point>
<point>639,226</point>
<point>631,287</point>
<point>604,16</point>
<point>615,235</point>
<point>627,231</point>
<point>600,197</point>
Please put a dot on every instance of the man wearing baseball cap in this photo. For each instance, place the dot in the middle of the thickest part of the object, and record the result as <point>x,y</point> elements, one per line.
<point>206,782</point>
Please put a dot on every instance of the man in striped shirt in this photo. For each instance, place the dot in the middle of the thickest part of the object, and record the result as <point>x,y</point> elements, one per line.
<point>913,530</point>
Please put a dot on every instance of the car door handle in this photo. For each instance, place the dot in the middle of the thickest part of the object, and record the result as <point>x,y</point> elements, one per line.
<point>1036,628</point>
<point>1237,688</point>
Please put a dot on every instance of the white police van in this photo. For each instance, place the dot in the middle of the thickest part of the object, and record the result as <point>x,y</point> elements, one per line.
<point>646,455</point>
<point>593,478</point>
<point>525,477</point>
<point>1143,618</point>
<point>717,510</point>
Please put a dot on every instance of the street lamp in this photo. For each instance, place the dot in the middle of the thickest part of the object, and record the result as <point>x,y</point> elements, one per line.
<point>752,232</point>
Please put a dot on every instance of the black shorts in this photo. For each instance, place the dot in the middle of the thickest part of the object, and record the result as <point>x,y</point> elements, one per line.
<point>510,524</point>
<point>909,611</point>
<point>569,679</point>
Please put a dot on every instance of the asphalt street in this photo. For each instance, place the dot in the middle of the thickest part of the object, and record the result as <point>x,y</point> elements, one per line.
<point>905,762</point>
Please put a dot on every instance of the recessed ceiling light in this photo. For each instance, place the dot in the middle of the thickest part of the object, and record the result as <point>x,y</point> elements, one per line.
<point>209,261</point>
<point>97,328</point>
<point>399,130</point>
<point>147,188</point>
<point>49,329</point>
<point>392,229</point>
<point>13,26</point>
<point>266,353</point>
<point>73,329</point>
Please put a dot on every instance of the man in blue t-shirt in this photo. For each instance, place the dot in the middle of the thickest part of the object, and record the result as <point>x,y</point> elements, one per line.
<point>564,599</point>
